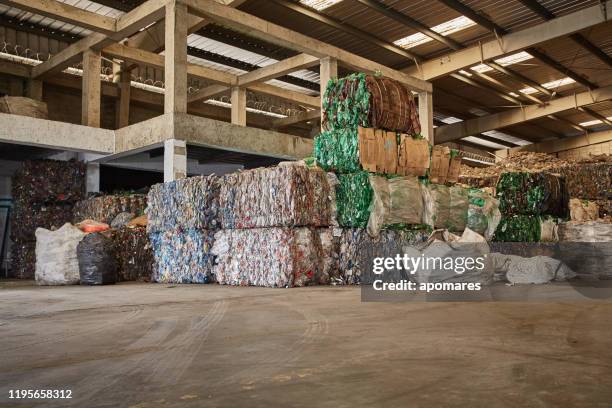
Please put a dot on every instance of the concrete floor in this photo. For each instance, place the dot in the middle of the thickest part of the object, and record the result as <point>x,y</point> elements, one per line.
<point>147,345</point>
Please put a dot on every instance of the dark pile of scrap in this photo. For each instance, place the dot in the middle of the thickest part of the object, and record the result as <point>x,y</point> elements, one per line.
<point>106,207</point>
<point>44,194</point>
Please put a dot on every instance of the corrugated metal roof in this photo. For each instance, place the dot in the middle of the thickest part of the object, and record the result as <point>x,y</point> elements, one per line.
<point>512,15</point>
<point>59,25</point>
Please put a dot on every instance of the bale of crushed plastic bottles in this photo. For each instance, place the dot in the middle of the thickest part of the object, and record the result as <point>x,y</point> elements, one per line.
<point>291,194</point>
<point>183,256</point>
<point>184,204</point>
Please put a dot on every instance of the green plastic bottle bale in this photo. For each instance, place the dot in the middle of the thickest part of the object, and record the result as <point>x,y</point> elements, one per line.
<point>369,101</point>
<point>519,228</point>
<point>532,194</point>
<point>338,150</point>
<point>354,196</point>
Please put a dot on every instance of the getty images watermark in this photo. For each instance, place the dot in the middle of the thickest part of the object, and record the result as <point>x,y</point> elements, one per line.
<point>411,265</point>
<point>499,272</point>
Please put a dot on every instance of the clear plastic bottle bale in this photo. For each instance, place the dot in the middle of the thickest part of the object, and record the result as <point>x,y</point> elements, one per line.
<point>445,207</point>
<point>396,201</point>
<point>97,264</point>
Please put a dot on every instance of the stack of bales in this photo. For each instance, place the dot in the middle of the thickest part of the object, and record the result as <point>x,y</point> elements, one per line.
<point>132,251</point>
<point>274,224</point>
<point>182,221</point>
<point>590,183</point>
<point>530,203</point>
<point>44,193</point>
<point>371,127</point>
<point>372,141</point>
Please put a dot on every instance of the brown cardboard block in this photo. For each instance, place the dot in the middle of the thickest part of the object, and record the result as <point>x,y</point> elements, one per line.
<point>368,150</point>
<point>440,163</point>
<point>389,153</point>
<point>413,156</point>
<point>454,170</point>
<point>379,150</point>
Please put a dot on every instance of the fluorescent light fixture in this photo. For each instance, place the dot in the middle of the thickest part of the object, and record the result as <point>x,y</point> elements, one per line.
<point>319,4</point>
<point>594,122</point>
<point>514,58</point>
<point>514,94</point>
<point>504,62</point>
<point>549,85</point>
<point>447,28</point>
<point>481,68</point>
<point>464,72</point>
<point>451,119</point>
<point>485,143</point>
<point>478,112</point>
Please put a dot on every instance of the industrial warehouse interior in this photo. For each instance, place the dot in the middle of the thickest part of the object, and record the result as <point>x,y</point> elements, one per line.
<point>305,203</point>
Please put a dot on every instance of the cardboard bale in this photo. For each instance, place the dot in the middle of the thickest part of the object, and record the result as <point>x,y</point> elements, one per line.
<point>583,210</point>
<point>592,181</point>
<point>413,157</point>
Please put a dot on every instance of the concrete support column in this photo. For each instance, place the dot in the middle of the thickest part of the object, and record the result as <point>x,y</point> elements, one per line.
<point>93,177</point>
<point>426,115</point>
<point>35,89</point>
<point>175,159</point>
<point>238,106</point>
<point>328,70</point>
<point>175,61</point>
<point>91,96</point>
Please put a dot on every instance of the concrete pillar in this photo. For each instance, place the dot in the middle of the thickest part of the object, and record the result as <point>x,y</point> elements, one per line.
<point>35,89</point>
<point>93,177</point>
<point>175,61</point>
<point>328,70</point>
<point>238,106</point>
<point>91,96</point>
<point>175,159</point>
<point>426,115</point>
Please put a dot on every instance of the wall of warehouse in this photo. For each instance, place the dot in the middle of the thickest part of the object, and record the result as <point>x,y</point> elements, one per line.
<point>7,169</point>
<point>586,151</point>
